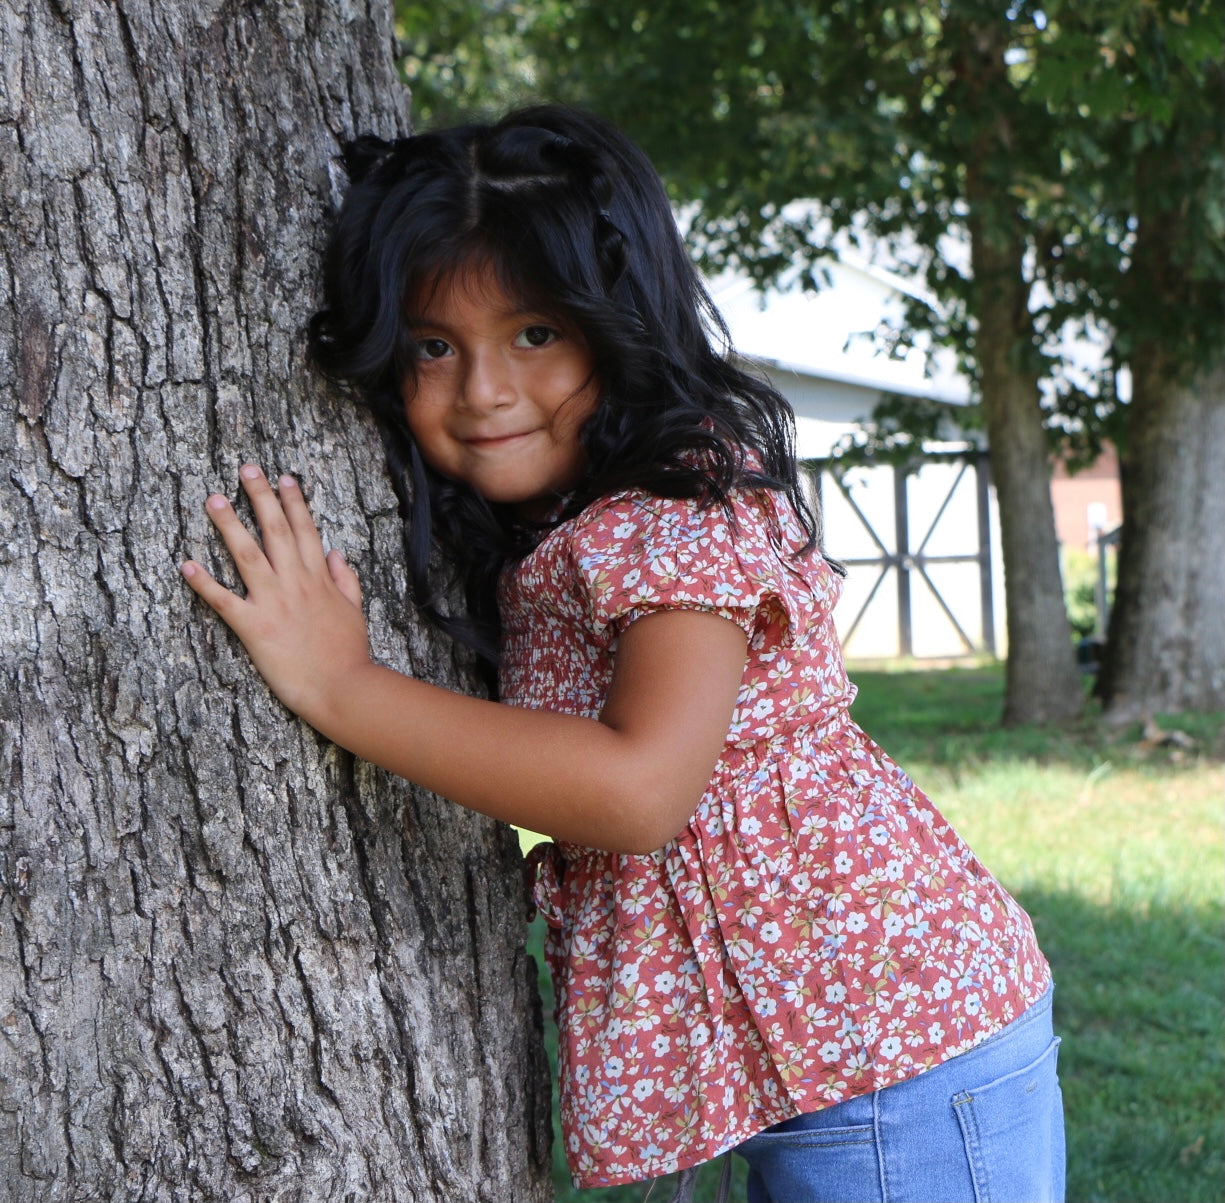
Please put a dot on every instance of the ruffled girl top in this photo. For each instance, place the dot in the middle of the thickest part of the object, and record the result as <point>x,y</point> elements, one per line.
<point>817,930</point>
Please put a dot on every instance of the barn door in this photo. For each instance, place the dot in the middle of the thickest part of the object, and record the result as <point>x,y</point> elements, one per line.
<point>917,546</point>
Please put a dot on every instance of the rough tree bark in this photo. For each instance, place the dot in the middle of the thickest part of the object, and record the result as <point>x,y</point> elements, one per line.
<point>1042,683</point>
<point>1166,641</point>
<point>234,964</point>
<point>1165,645</point>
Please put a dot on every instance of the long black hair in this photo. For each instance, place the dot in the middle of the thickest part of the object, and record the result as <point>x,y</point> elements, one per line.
<point>573,219</point>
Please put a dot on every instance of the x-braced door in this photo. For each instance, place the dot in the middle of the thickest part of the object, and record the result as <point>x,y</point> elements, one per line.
<point>917,547</point>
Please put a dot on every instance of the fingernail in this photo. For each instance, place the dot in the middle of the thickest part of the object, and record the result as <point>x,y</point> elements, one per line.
<point>287,482</point>
<point>248,471</point>
<point>188,569</point>
<point>216,502</point>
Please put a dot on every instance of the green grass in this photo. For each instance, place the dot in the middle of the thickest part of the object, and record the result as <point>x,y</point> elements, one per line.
<point>1116,848</point>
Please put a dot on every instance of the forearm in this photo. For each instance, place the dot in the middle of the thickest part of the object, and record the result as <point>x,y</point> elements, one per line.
<point>572,778</point>
<point>626,782</point>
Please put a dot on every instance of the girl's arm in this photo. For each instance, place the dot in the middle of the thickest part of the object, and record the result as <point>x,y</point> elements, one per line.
<point>625,783</point>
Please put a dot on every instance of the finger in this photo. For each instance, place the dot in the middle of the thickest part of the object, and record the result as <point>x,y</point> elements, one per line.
<point>252,564</point>
<point>298,515</point>
<point>225,602</point>
<point>280,546</point>
<point>345,578</point>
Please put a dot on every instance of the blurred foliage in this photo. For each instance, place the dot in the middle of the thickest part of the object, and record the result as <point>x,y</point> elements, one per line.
<point>788,126</point>
<point>467,59</point>
<point>902,431</point>
<point>1081,120</point>
<point>1080,585</point>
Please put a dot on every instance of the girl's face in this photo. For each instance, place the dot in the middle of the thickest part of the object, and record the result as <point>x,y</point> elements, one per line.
<point>500,394</point>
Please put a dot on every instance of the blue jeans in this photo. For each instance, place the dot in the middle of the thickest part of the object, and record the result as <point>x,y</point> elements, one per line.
<point>985,1127</point>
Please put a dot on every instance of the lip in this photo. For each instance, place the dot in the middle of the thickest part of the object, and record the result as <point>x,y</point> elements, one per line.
<point>496,440</point>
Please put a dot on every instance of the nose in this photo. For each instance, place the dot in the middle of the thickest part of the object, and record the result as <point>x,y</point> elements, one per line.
<point>488,382</point>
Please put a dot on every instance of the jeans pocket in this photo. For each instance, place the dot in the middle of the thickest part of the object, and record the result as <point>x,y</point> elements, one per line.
<point>1013,1132</point>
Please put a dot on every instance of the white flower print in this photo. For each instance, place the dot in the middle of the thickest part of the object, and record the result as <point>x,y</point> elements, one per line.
<point>772,882</point>
<point>627,973</point>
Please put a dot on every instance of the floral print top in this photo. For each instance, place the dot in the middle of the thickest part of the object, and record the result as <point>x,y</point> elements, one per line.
<point>817,931</point>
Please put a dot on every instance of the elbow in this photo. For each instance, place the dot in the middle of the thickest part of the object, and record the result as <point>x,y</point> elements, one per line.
<point>652,837</point>
<point>651,819</point>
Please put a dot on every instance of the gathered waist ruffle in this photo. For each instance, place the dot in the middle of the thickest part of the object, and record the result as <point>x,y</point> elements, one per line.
<point>548,862</point>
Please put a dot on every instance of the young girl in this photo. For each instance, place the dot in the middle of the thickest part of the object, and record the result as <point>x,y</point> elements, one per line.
<point>763,936</point>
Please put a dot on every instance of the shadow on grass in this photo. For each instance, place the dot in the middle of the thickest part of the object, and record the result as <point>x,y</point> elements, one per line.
<point>1138,1002</point>
<point>1139,1006</point>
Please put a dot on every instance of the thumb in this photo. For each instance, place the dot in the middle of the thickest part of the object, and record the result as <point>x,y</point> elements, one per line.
<point>344,578</point>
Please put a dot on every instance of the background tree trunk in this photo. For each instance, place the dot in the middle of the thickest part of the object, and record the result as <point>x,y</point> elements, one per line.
<point>1042,680</point>
<point>1166,641</point>
<point>234,963</point>
<point>1165,646</point>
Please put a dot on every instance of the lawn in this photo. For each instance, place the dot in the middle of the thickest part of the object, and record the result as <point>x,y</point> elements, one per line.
<point>1116,846</point>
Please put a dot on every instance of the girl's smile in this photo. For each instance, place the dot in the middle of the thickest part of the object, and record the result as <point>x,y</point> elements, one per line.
<point>500,393</point>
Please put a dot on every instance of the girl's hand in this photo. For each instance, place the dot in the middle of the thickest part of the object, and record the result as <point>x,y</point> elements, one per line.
<point>625,782</point>
<point>301,619</point>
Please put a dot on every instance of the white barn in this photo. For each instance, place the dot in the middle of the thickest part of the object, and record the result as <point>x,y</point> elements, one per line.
<point>924,577</point>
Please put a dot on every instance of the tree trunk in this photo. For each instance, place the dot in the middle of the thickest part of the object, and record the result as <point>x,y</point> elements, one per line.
<point>1043,683</point>
<point>234,963</point>
<point>1166,641</point>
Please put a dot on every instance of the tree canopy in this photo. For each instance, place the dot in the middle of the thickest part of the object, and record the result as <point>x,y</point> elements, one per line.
<point>1049,173</point>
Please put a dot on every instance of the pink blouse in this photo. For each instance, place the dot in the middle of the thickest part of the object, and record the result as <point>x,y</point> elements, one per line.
<point>816,932</point>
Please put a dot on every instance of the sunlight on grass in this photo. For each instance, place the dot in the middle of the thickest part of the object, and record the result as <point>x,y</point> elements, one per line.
<point>1112,835</point>
<point>1117,849</point>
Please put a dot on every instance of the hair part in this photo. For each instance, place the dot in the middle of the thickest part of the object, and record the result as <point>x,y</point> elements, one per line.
<point>574,222</point>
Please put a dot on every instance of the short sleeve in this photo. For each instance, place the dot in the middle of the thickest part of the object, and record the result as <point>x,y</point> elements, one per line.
<point>636,554</point>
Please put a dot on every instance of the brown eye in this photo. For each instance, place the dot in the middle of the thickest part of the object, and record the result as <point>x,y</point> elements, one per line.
<point>535,336</point>
<point>432,348</point>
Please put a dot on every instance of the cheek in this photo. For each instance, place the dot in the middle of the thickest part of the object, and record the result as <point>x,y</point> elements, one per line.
<point>425,425</point>
<point>416,403</point>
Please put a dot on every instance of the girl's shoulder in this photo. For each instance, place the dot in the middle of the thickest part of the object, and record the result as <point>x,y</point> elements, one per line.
<point>633,551</point>
<point>748,516</point>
